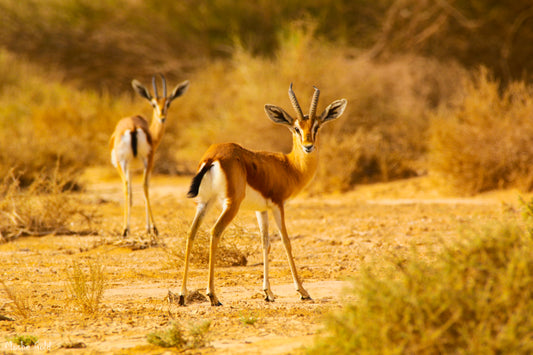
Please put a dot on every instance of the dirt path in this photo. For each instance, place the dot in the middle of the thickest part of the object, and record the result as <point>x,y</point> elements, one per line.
<point>332,236</point>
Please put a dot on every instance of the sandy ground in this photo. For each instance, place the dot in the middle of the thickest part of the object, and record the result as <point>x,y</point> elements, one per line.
<point>333,237</point>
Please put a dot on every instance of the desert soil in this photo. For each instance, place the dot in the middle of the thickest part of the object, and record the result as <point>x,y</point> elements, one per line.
<point>333,238</point>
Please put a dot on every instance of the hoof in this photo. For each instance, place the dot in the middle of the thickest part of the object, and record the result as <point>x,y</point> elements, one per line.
<point>214,301</point>
<point>269,297</point>
<point>181,300</point>
<point>155,231</point>
<point>125,232</point>
<point>305,298</point>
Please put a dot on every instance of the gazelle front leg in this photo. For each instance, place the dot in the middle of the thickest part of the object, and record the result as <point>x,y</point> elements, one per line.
<point>262,219</point>
<point>279,217</point>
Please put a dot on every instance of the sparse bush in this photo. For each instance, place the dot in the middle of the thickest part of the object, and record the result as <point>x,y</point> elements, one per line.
<point>175,337</point>
<point>86,285</point>
<point>485,142</point>
<point>20,299</point>
<point>44,207</point>
<point>383,134</point>
<point>44,122</point>
<point>475,298</point>
<point>228,254</point>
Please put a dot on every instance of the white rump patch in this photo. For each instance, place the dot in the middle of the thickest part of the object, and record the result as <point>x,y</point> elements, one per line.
<point>214,187</point>
<point>123,152</point>
<point>213,184</point>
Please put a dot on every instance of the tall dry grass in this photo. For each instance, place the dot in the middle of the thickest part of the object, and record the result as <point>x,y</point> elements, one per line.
<point>382,136</point>
<point>484,142</point>
<point>474,297</point>
<point>46,206</point>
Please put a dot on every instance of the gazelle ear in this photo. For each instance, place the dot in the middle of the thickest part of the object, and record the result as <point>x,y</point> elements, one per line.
<point>141,90</point>
<point>179,90</point>
<point>333,111</point>
<point>278,115</point>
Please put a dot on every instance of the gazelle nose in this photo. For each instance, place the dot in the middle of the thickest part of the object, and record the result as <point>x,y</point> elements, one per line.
<point>308,148</point>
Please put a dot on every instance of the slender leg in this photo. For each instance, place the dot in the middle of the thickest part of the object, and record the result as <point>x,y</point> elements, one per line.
<point>262,220</point>
<point>149,215</point>
<point>229,211</point>
<point>279,216</point>
<point>201,210</point>
<point>126,180</point>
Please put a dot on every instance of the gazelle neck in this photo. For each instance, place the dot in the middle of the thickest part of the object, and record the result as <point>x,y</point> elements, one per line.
<point>157,129</point>
<point>305,163</point>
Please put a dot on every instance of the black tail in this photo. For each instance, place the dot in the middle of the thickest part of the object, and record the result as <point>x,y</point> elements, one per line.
<point>134,142</point>
<point>197,179</point>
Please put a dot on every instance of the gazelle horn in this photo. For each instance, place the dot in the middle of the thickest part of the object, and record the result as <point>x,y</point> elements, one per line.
<point>294,102</point>
<point>154,84</point>
<point>164,85</point>
<point>314,102</point>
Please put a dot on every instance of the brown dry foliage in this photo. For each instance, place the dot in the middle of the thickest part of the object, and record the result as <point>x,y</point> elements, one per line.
<point>485,143</point>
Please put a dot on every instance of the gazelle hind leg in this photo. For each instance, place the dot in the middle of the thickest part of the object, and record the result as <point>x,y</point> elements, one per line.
<point>229,212</point>
<point>125,175</point>
<point>262,220</point>
<point>201,210</point>
<point>279,217</point>
<point>146,189</point>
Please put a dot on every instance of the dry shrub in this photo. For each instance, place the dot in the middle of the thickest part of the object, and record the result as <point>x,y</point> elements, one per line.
<point>474,298</point>
<point>45,207</point>
<point>44,121</point>
<point>174,337</point>
<point>230,250</point>
<point>86,285</point>
<point>382,135</point>
<point>20,298</point>
<point>484,143</point>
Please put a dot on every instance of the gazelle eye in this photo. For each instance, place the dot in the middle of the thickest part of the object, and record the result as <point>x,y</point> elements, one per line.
<point>297,130</point>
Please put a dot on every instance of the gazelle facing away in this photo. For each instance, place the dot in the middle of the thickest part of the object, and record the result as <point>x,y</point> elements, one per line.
<point>260,181</point>
<point>134,138</point>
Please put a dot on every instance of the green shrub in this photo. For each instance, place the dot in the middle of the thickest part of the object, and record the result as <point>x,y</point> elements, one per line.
<point>24,340</point>
<point>475,298</point>
<point>484,143</point>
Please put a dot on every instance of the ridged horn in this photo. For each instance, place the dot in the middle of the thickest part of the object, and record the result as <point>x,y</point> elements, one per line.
<point>164,85</point>
<point>314,102</point>
<point>295,104</point>
<point>154,84</point>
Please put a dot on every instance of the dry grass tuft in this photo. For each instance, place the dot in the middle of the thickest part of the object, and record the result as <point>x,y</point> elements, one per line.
<point>229,253</point>
<point>86,285</point>
<point>47,206</point>
<point>20,299</point>
<point>175,337</point>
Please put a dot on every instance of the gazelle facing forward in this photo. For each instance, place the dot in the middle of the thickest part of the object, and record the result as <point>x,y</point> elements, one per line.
<point>134,138</point>
<point>260,181</point>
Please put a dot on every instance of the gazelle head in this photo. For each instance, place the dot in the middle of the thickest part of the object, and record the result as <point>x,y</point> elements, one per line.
<point>160,104</point>
<point>305,127</point>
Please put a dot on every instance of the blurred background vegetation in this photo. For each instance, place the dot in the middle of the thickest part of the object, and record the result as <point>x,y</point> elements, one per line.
<point>437,87</point>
